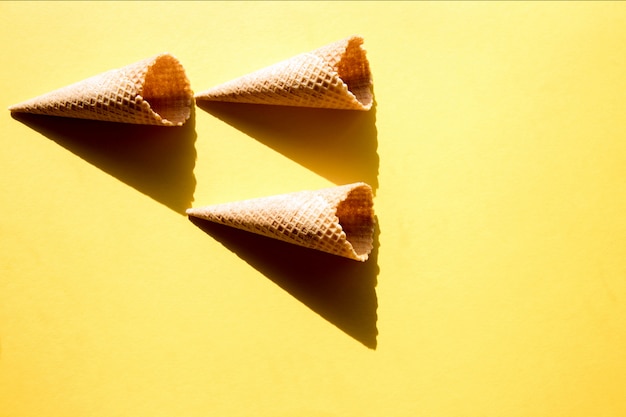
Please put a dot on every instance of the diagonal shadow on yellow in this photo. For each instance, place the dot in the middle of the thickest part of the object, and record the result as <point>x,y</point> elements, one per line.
<point>341,290</point>
<point>157,161</point>
<point>340,145</point>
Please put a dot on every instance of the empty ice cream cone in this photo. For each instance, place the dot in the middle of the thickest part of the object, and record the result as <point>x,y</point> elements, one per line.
<point>154,91</point>
<point>337,220</point>
<point>335,76</point>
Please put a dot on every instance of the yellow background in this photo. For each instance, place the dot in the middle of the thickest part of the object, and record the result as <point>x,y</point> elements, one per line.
<point>497,148</point>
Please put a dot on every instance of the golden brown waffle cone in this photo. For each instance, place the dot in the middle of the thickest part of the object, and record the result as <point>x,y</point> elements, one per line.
<point>154,91</point>
<point>335,76</point>
<point>337,220</point>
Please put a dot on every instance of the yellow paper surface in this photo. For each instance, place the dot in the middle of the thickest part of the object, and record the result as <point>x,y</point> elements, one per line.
<point>497,150</point>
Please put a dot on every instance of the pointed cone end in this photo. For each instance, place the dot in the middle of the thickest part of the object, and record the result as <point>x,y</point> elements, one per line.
<point>200,213</point>
<point>17,108</point>
<point>203,95</point>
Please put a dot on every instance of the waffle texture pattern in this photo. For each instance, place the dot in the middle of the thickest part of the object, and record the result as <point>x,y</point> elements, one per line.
<point>337,220</point>
<point>335,76</point>
<point>154,91</point>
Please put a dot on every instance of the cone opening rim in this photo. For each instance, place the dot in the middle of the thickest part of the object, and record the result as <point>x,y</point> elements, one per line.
<point>355,214</point>
<point>354,70</point>
<point>166,90</point>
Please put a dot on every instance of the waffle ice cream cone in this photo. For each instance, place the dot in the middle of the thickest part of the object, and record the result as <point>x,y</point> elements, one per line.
<point>335,76</point>
<point>154,91</point>
<point>337,220</point>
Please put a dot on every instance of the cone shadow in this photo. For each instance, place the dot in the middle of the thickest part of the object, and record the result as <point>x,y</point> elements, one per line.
<point>156,161</point>
<point>341,290</point>
<point>340,145</point>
